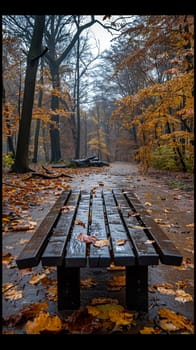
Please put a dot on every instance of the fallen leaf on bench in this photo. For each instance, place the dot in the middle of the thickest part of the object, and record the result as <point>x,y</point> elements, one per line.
<point>79,222</point>
<point>86,238</point>
<point>67,208</point>
<point>121,241</point>
<point>139,227</point>
<point>132,214</point>
<point>149,241</point>
<point>44,323</point>
<point>101,243</point>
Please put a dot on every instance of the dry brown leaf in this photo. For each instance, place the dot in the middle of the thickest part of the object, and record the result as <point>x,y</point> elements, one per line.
<point>86,238</point>
<point>101,243</point>
<point>44,323</point>
<point>79,222</point>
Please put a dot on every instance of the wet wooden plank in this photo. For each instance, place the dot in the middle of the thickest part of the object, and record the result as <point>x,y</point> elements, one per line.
<point>99,256</point>
<point>123,254</point>
<point>142,246</point>
<point>168,252</point>
<point>55,249</point>
<point>76,250</point>
<point>31,254</point>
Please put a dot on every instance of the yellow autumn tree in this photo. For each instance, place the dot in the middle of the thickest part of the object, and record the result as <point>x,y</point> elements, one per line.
<point>162,112</point>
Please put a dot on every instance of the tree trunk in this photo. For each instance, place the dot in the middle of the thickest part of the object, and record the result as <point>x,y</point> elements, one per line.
<point>38,121</point>
<point>21,163</point>
<point>77,155</point>
<point>54,128</point>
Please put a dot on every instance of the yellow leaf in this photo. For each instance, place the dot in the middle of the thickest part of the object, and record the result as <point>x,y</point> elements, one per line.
<point>150,330</point>
<point>44,323</point>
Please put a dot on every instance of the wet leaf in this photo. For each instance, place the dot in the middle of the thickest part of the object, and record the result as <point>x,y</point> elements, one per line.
<point>86,238</point>
<point>133,214</point>
<point>172,321</point>
<point>67,208</point>
<point>24,241</point>
<point>101,243</point>
<point>114,267</point>
<point>149,241</point>
<point>10,291</point>
<point>102,300</point>
<point>150,330</point>
<point>87,283</point>
<point>190,225</point>
<point>37,278</point>
<point>117,282</point>
<point>79,222</point>
<point>26,313</point>
<point>121,241</point>
<point>44,323</point>
<point>102,311</point>
<point>52,292</point>
<point>182,296</point>
<point>177,196</point>
<point>164,290</point>
<point>120,317</point>
<point>82,322</point>
<point>148,204</point>
<point>7,258</point>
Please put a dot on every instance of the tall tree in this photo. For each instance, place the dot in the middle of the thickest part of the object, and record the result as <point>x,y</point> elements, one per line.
<point>21,163</point>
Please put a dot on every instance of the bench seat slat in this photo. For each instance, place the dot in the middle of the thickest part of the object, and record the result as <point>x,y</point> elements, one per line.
<point>144,250</point>
<point>169,254</point>
<point>76,250</point>
<point>31,254</point>
<point>122,254</point>
<point>54,252</point>
<point>99,256</point>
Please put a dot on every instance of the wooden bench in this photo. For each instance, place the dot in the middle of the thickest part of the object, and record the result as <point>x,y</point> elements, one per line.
<point>109,215</point>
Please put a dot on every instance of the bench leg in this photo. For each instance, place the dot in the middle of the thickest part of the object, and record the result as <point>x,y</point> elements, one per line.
<point>137,288</point>
<point>68,288</point>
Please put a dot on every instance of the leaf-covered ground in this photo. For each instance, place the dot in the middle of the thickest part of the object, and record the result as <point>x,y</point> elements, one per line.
<point>29,295</point>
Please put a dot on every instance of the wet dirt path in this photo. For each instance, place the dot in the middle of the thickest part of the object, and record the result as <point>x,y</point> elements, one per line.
<point>173,208</point>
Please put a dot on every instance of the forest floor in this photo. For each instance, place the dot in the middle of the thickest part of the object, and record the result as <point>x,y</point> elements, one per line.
<point>29,295</point>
